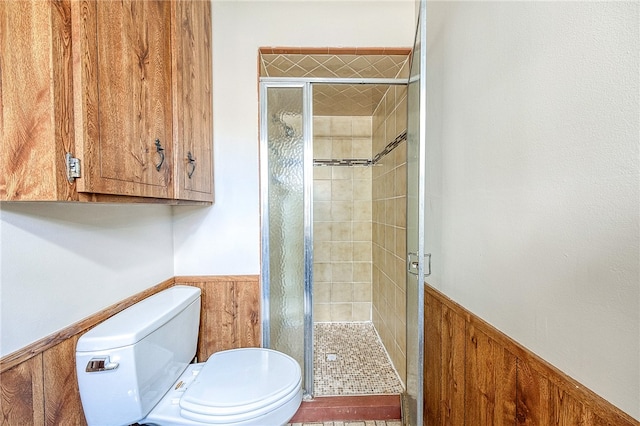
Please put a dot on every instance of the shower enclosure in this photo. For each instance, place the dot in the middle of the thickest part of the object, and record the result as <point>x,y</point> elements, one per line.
<point>286,171</point>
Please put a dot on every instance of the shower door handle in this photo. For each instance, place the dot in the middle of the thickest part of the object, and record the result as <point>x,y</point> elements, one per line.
<point>412,264</point>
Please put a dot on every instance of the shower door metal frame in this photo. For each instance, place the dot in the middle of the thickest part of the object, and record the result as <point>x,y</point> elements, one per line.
<point>306,84</point>
<point>307,126</point>
<point>416,271</point>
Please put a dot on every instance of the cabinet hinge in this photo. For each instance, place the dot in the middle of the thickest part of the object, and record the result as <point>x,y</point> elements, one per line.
<point>73,167</point>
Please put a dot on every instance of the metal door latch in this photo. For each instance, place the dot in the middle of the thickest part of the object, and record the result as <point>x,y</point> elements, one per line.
<point>412,264</point>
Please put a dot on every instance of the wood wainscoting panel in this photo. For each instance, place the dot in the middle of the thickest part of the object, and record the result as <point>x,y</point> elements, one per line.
<point>445,349</point>
<point>22,398</point>
<point>230,316</point>
<point>62,405</point>
<point>476,375</point>
<point>490,382</point>
<point>248,309</point>
<point>533,397</point>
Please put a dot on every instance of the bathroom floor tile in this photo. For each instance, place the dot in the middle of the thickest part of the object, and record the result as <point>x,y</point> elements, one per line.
<point>349,359</point>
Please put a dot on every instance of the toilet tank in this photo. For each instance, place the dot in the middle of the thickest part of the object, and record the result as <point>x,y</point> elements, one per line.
<point>127,363</point>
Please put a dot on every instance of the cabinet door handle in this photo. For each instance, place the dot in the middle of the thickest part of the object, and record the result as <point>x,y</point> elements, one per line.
<point>192,164</point>
<point>159,150</point>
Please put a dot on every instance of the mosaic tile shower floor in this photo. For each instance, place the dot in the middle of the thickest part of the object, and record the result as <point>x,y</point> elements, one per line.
<point>349,359</point>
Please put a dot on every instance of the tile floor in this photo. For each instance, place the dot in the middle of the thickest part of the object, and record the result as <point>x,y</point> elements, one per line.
<point>349,359</point>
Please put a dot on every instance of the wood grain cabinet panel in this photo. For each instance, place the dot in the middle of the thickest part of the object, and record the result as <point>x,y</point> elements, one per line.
<point>123,96</point>
<point>192,100</point>
<point>125,87</point>
<point>36,102</point>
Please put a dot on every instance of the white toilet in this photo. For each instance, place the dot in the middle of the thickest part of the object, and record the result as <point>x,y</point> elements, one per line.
<point>135,368</point>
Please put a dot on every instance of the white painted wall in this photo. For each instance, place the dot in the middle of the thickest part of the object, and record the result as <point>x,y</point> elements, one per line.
<point>61,263</point>
<point>226,238</point>
<point>533,128</point>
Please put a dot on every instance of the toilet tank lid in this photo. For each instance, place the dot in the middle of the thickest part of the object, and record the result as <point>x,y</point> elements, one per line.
<point>139,320</point>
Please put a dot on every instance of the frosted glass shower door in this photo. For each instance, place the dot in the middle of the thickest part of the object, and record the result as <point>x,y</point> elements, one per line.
<point>286,274</point>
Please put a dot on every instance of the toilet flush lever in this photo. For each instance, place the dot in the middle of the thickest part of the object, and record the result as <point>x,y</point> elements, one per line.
<point>102,363</point>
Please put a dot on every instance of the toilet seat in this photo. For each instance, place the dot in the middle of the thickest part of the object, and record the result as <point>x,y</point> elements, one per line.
<point>240,384</point>
<point>250,386</point>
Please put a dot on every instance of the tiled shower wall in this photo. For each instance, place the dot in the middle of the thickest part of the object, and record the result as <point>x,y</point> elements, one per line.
<point>389,226</point>
<point>342,248</point>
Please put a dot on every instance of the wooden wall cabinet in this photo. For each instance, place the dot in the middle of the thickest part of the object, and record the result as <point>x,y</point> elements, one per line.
<point>125,87</point>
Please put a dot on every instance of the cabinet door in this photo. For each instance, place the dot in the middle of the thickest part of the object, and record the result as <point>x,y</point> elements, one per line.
<point>193,130</point>
<point>36,107</point>
<point>122,85</point>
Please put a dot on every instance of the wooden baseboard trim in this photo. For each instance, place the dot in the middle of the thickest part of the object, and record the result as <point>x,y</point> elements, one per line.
<point>343,408</point>
<point>186,279</point>
<point>39,346</point>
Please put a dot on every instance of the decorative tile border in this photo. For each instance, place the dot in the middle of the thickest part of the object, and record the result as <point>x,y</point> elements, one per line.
<point>349,162</point>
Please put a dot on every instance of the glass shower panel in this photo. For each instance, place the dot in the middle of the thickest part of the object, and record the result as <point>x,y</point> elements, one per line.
<point>284,221</point>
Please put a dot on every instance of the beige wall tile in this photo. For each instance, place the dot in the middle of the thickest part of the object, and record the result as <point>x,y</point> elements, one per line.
<point>362,172</point>
<point>361,127</point>
<point>321,251</point>
<point>342,190</point>
<point>362,210</point>
<point>362,292</point>
<point>341,292</point>
<point>322,231</point>
<point>362,272</point>
<point>362,148</point>
<point>341,211</point>
<point>321,272</point>
<point>341,148</point>
<point>321,172</point>
<point>361,231</point>
<point>322,312</point>
<point>401,240</point>
<point>321,292</point>
<point>362,251</point>
<point>321,126</point>
<point>321,211</point>
<point>361,311</point>
<point>338,172</point>
<point>341,251</point>
<point>341,311</point>
<point>341,126</point>
<point>322,190</point>
<point>341,231</point>
<point>342,272</point>
<point>322,148</point>
<point>362,189</point>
